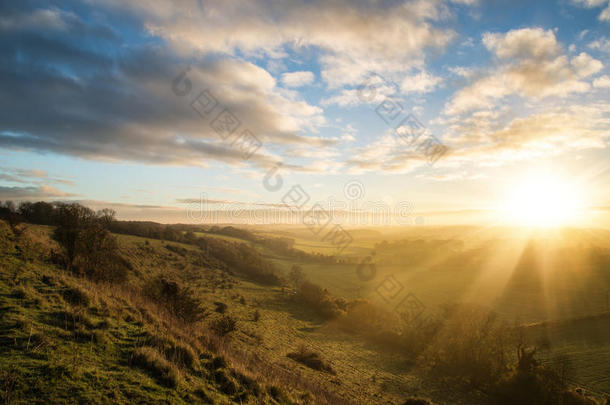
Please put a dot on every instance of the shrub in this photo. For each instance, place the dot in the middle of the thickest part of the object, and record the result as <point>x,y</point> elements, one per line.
<point>202,394</point>
<point>296,276</point>
<point>242,258</point>
<point>540,385</point>
<point>318,299</point>
<point>150,360</point>
<point>224,325</point>
<point>310,359</point>
<point>220,307</point>
<point>472,345</point>
<point>19,293</point>
<point>75,296</point>
<point>218,362</point>
<point>256,316</point>
<point>278,394</point>
<point>179,301</point>
<point>226,383</point>
<point>377,318</point>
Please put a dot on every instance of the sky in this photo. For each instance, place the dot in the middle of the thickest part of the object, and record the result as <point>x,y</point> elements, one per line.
<point>436,106</point>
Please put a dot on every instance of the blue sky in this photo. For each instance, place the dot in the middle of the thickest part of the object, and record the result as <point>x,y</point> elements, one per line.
<point>509,88</point>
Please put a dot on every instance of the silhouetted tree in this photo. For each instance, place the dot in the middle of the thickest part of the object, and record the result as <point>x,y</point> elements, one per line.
<point>106,217</point>
<point>88,246</point>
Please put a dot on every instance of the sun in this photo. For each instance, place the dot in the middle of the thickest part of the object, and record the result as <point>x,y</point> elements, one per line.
<point>543,201</point>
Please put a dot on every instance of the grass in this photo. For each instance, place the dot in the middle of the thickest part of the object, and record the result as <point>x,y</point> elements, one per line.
<point>88,346</point>
<point>311,359</point>
<point>68,340</point>
<point>152,361</point>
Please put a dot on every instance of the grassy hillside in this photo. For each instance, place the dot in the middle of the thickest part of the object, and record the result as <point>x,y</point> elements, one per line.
<point>67,339</point>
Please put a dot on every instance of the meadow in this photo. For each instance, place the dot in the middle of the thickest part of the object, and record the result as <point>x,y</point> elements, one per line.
<point>271,315</point>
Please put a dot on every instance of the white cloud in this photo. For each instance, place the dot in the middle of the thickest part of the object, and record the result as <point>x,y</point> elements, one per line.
<point>523,44</point>
<point>423,82</point>
<point>605,14</point>
<point>489,138</point>
<point>297,79</point>
<point>601,44</point>
<point>531,65</point>
<point>602,82</point>
<point>353,37</point>
<point>590,3</point>
<point>585,65</point>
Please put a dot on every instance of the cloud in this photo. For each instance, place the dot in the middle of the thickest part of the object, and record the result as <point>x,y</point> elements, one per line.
<point>52,19</point>
<point>32,193</point>
<point>25,176</point>
<point>531,64</point>
<point>423,82</point>
<point>602,82</point>
<point>523,44</point>
<point>492,138</point>
<point>114,101</point>
<point>205,201</point>
<point>387,154</point>
<point>584,65</point>
<point>604,15</point>
<point>297,79</point>
<point>601,44</point>
<point>353,38</point>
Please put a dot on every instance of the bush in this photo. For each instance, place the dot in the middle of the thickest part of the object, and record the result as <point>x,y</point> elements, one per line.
<point>179,301</point>
<point>377,318</point>
<point>278,394</point>
<point>472,345</point>
<point>242,258</point>
<point>310,359</point>
<point>319,300</point>
<point>174,351</point>
<point>75,296</point>
<point>220,307</point>
<point>224,325</point>
<point>537,385</point>
<point>150,360</point>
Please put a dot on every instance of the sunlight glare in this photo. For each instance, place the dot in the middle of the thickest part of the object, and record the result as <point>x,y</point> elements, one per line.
<point>544,201</point>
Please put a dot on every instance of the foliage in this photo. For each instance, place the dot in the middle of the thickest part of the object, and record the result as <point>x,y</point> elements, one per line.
<point>320,300</point>
<point>224,325</point>
<point>178,300</point>
<point>310,359</point>
<point>296,276</point>
<point>88,247</point>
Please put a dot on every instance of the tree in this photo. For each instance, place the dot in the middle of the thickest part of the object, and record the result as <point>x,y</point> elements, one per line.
<point>38,213</point>
<point>88,246</point>
<point>106,217</point>
<point>73,221</point>
<point>296,275</point>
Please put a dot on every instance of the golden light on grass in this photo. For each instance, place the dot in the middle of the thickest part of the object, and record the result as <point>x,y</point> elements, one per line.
<point>543,201</point>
